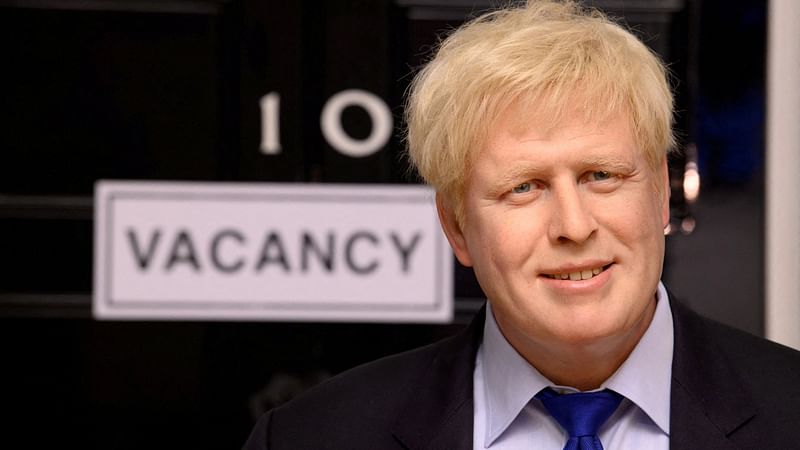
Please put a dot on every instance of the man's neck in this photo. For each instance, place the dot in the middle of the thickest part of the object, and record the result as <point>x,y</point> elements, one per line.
<point>584,366</point>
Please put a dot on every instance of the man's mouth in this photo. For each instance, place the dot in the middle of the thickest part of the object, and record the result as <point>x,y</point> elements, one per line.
<point>579,275</point>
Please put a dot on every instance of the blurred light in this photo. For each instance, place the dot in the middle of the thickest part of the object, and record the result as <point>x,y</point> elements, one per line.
<point>687,225</point>
<point>691,182</point>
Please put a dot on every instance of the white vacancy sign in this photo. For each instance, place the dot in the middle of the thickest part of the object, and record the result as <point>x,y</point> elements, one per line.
<point>214,251</point>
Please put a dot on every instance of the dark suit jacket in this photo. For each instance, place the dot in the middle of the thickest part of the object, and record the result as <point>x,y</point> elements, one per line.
<point>730,390</point>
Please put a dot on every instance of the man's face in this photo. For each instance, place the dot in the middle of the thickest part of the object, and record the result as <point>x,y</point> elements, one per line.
<point>564,229</point>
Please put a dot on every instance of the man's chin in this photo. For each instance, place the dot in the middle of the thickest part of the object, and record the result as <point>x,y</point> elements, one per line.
<point>585,335</point>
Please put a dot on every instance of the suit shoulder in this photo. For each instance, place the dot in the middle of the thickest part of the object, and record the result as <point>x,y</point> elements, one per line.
<point>759,359</point>
<point>742,345</point>
<point>381,377</point>
<point>363,401</point>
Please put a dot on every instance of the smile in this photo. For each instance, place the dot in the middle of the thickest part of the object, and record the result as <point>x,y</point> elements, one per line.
<point>578,276</point>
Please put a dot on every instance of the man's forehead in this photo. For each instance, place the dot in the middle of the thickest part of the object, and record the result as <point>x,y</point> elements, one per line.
<point>515,127</point>
<point>522,118</point>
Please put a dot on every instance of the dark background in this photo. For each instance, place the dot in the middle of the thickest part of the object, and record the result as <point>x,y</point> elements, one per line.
<point>169,90</point>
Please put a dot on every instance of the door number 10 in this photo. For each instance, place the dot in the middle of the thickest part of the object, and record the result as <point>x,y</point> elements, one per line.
<point>330,123</point>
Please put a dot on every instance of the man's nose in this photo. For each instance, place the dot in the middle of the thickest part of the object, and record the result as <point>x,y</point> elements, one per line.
<point>572,218</point>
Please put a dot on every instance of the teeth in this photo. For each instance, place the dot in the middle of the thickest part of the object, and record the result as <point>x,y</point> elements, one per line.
<point>577,276</point>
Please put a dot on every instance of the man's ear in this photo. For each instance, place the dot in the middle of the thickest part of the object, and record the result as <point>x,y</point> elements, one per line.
<point>452,229</point>
<point>663,173</point>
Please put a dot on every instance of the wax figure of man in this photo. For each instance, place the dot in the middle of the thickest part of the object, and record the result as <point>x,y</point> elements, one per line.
<point>544,129</point>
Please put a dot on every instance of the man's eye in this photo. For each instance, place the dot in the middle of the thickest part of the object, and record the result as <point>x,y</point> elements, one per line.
<point>521,188</point>
<point>599,175</point>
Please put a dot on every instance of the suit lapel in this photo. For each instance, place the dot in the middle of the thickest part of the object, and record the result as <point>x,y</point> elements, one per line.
<point>439,414</point>
<point>708,402</point>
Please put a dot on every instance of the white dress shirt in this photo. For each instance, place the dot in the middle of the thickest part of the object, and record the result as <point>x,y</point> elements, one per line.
<point>507,416</point>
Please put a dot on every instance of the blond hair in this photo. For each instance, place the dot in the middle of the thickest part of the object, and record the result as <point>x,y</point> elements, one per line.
<point>550,56</point>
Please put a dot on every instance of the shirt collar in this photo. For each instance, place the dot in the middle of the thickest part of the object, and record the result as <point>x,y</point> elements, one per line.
<point>644,378</point>
<point>510,382</point>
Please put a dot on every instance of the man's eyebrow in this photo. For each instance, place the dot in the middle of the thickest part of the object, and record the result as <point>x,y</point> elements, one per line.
<point>515,175</point>
<point>524,171</point>
<point>622,164</point>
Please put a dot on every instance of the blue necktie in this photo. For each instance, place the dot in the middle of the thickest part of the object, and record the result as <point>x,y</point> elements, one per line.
<point>581,414</point>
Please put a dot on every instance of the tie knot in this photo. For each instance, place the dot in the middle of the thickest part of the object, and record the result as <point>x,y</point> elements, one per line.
<point>583,413</point>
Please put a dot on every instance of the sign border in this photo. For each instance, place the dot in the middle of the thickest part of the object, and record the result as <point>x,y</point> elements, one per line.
<point>110,193</point>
